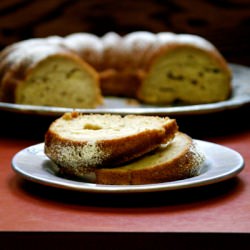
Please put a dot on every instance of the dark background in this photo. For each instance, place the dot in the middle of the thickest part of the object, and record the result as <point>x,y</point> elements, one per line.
<point>224,22</point>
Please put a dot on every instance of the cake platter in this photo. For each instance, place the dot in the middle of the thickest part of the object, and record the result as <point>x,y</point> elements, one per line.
<point>115,105</point>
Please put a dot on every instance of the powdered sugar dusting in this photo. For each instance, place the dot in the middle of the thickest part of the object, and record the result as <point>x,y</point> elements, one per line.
<point>87,45</point>
<point>138,40</point>
<point>93,155</point>
<point>81,158</point>
<point>32,52</point>
<point>106,51</point>
<point>165,38</point>
<point>198,158</point>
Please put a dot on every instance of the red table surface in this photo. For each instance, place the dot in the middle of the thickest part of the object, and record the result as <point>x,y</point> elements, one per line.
<point>221,207</point>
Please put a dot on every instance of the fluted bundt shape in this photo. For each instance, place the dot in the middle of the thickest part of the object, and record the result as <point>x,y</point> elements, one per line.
<point>158,69</point>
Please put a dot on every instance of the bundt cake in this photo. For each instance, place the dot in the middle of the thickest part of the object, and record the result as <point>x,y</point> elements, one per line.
<point>158,69</point>
<point>79,143</point>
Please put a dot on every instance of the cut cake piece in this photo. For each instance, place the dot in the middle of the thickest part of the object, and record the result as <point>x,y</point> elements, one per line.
<point>177,160</point>
<point>79,143</point>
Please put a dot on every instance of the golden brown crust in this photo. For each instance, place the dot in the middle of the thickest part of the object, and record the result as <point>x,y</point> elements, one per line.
<point>183,164</point>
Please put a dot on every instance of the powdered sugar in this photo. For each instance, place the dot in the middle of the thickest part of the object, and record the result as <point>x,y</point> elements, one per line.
<point>167,38</point>
<point>32,52</point>
<point>84,156</point>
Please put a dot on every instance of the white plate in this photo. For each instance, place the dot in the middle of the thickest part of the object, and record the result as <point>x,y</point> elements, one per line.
<point>240,96</point>
<point>221,164</point>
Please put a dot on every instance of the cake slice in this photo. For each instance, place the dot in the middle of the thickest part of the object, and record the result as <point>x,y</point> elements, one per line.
<point>79,143</point>
<point>176,160</point>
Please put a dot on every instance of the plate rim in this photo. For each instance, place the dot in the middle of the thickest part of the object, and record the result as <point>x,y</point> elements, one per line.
<point>197,181</point>
<point>232,103</point>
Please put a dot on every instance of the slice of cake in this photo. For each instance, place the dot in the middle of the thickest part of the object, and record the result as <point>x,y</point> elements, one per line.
<point>79,144</point>
<point>177,160</point>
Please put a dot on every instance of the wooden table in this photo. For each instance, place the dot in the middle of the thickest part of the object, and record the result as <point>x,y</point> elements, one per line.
<point>217,209</point>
